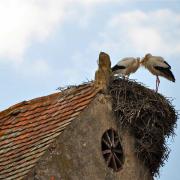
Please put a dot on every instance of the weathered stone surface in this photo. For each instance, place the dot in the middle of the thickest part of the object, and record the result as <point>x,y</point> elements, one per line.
<point>76,153</point>
<point>102,75</point>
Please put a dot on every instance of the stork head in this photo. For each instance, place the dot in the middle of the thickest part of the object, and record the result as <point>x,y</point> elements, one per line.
<point>138,59</point>
<point>146,57</point>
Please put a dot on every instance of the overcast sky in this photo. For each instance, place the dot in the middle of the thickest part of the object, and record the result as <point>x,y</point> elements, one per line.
<point>45,44</point>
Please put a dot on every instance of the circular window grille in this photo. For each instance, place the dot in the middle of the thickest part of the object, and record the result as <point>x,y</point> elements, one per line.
<point>112,150</point>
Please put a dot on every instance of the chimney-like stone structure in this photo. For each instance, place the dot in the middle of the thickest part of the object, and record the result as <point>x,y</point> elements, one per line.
<point>103,74</point>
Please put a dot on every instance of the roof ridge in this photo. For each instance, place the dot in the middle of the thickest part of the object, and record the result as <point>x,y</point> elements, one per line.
<point>27,102</point>
<point>45,98</point>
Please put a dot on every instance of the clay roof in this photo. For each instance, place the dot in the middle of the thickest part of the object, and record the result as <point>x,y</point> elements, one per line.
<point>28,128</point>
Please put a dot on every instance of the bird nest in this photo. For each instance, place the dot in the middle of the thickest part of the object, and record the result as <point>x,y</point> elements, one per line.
<point>148,116</point>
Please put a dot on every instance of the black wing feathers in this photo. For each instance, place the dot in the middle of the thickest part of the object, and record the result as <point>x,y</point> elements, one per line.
<point>167,72</point>
<point>167,64</point>
<point>117,67</point>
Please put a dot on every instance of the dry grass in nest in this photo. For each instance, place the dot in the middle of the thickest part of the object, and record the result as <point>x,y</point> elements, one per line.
<point>150,118</point>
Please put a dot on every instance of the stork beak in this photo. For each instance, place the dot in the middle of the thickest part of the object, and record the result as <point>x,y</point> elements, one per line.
<point>141,61</point>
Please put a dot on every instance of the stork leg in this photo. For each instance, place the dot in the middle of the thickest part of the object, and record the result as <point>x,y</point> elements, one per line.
<point>123,77</point>
<point>157,83</point>
<point>127,77</point>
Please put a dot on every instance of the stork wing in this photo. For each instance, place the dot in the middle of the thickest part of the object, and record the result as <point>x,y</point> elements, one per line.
<point>126,61</point>
<point>159,61</point>
<point>167,72</point>
<point>117,67</point>
<point>167,64</point>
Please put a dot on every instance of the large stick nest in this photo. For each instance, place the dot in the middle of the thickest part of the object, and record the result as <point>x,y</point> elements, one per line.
<point>148,116</point>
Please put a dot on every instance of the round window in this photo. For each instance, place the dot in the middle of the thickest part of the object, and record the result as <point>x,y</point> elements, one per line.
<point>112,150</point>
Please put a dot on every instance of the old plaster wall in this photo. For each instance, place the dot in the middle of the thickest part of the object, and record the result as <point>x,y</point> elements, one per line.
<point>76,153</point>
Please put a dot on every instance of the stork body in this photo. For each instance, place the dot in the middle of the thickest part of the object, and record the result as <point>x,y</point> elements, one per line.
<point>158,67</point>
<point>126,66</point>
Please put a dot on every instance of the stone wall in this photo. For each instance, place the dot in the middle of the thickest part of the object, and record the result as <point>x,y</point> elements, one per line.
<point>76,154</point>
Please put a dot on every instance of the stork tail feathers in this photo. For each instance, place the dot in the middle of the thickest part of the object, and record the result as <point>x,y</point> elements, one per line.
<point>166,72</point>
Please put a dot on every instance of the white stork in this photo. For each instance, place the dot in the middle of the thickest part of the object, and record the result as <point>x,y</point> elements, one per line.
<point>158,67</point>
<point>126,66</point>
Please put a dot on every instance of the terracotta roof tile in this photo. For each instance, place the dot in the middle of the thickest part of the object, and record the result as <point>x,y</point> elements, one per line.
<point>28,128</point>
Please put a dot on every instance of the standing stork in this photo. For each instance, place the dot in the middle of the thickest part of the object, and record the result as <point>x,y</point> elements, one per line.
<point>158,67</point>
<point>126,66</point>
